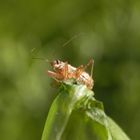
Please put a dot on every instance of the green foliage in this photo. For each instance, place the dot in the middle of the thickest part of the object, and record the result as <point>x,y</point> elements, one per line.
<point>79,99</point>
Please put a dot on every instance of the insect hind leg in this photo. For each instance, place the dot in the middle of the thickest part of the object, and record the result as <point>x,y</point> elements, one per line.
<point>90,63</point>
<point>79,70</point>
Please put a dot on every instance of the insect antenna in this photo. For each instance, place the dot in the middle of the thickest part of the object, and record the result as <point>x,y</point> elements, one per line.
<point>70,40</point>
<point>41,58</point>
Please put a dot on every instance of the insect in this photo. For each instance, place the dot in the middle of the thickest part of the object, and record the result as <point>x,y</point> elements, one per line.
<point>63,71</point>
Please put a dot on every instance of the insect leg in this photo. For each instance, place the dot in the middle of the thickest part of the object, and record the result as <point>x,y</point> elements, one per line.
<point>65,72</point>
<point>56,76</point>
<point>79,70</point>
<point>90,63</point>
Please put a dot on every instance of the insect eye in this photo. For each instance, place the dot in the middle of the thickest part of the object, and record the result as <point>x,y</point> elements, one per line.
<point>57,61</point>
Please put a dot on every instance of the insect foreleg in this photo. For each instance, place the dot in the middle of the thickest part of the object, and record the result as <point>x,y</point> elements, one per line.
<point>55,76</point>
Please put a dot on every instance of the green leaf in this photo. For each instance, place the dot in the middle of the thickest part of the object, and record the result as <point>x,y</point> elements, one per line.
<point>61,109</point>
<point>96,114</point>
<point>77,100</point>
<point>116,132</point>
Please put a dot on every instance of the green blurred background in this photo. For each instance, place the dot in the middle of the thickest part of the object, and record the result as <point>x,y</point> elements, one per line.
<point>73,31</point>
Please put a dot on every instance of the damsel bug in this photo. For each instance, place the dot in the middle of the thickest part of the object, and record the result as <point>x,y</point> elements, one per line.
<point>63,71</point>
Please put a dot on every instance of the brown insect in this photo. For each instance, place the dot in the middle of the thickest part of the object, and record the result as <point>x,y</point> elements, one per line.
<point>63,71</point>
